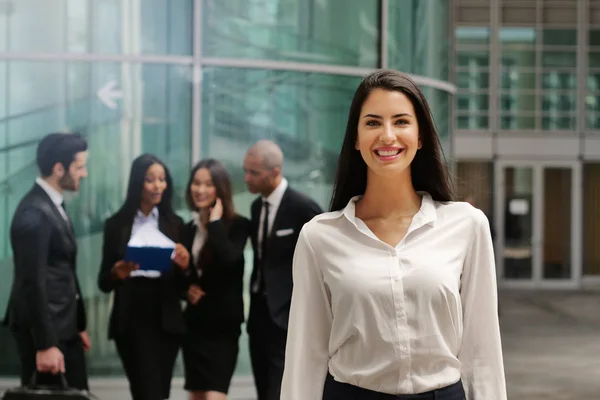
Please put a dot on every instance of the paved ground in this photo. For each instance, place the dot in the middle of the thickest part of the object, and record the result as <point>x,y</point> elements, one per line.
<point>551,347</point>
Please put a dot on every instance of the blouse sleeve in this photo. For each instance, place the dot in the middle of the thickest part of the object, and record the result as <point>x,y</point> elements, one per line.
<point>307,350</point>
<point>480,355</point>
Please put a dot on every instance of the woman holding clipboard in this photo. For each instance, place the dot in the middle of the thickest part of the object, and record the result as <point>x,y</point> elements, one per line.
<point>216,238</point>
<point>146,322</point>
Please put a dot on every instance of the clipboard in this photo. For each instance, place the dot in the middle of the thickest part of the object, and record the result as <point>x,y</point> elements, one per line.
<point>150,258</point>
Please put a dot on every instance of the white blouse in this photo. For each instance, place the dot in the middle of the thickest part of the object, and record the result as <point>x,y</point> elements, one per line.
<point>399,320</point>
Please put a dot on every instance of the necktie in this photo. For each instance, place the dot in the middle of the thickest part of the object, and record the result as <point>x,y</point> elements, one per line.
<point>265,232</point>
<point>258,285</point>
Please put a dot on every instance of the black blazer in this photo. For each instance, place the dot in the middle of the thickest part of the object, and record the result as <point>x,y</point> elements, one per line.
<point>295,210</point>
<point>117,232</point>
<point>222,277</point>
<point>45,298</point>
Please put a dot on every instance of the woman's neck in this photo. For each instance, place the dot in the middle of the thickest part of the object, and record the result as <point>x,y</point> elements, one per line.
<point>204,216</point>
<point>387,196</point>
<point>146,208</point>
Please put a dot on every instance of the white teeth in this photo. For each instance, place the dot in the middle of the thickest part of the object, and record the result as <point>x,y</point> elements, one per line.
<point>387,153</point>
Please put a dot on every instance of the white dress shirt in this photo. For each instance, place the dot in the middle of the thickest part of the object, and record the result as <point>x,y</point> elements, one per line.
<point>56,197</point>
<point>274,201</point>
<point>401,320</point>
<point>138,221</point>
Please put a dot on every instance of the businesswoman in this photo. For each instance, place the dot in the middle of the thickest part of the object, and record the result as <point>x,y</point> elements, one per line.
<point>395,288</point>
<point>216,238</point>
<point>146,321</point>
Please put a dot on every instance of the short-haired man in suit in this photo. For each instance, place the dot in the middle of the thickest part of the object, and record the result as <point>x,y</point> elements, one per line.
<point>45,311</point>
<point>278,215</point>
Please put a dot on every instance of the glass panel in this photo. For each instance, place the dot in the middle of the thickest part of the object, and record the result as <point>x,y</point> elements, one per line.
<point>557,223</point>
<point>559,59</point>
<point>145,108</point>
<point>592,102</point>
<point>515,102</point>
<point>517,36</point>
<point>518,223</point>
<point>518,58</point>
<point>413,46</point>
<point>512,78</point>
<point>558,123</point>
<point>593,81</point>
<point>472,35</point>
<point>309,31</point>
<point>110,26</point>
<point>594,59</point>
<point>514,122</point>
<point>472,101</point>
<point>559,37</point>
<point>472,80</point>
<point>559,102</point>
<point>559,80</point>
<point>593,120</point>
<point>473,58</point>
<point>471,122</point>
<point>594,37</point>
<point>591,211</point>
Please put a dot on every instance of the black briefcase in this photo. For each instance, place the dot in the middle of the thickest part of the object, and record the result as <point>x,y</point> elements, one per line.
<point>59,392</point>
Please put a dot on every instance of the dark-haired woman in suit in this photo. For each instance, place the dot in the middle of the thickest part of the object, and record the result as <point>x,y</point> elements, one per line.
<point>216,238</point>
<point>146,322</point>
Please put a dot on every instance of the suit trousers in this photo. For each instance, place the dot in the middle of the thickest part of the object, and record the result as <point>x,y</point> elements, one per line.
<point>267,349</point>
<point>335,390</point>
<point>73,353</point>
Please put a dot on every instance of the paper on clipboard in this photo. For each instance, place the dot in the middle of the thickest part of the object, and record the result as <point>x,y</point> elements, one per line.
<point>151,249</point>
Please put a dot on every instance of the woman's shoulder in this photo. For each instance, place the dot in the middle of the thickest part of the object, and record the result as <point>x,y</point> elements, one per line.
<point>241,222</point>
<point>461,210</point>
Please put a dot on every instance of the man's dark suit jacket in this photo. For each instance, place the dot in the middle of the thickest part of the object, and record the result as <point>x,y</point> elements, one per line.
<point>117,232</point>
<point>45,298</point>
<point>222,278</point>
<point>295,210</point>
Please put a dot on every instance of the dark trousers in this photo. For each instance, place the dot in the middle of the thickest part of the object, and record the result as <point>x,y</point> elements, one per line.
<point>148,360</point>
<point>73,353</point>
<point>267,349</point>
<point>342,391</point>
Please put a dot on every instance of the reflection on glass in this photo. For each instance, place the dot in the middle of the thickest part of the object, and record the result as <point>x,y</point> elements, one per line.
<point>305,31</point>
<point>559,102</point>
<point>473,58</point>
<point>517,36</point>
<point>513,78</point>
<point>418,39</point>
<point>110,26</point>
<point>558,122</point>
<point>472,35</point>
<point>591,211</point>
<point>472,102</point>
<point>152,115</point>
<point>557,223</point>
<point>559,37</point>
<point>559,80</point>
<point>517,58</point>
<point>471,122</point>
<point>594,38</point>
<point>515,101</point>
<point>513,122</point>
<point>559,59</point>
<point>472,80</point>
<point>518,223</point>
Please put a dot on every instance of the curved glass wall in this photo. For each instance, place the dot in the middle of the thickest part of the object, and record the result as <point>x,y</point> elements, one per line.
<point>124,73</point>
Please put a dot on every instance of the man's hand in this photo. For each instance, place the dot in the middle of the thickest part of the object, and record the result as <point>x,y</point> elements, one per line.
<point>182,257</point>
<point>194,294</point>
<point>85,340</point>
<point>50,360</point>
<point>122,269</point>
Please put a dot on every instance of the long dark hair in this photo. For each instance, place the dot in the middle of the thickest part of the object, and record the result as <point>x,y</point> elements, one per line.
<point>139,167</point>
<point>221,180</point>
<point>428,169</point>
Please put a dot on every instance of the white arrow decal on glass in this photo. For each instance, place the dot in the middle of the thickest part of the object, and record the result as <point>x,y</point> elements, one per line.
<point>108,95</point>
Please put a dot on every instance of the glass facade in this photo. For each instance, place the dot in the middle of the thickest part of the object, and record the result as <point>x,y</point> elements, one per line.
<point>536,84</point>
<point>128,75</point>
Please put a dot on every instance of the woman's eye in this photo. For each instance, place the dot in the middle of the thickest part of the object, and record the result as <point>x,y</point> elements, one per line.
<point>372,123</point>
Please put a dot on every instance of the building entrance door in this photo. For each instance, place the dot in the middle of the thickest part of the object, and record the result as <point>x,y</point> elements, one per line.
<point>538,223</point>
